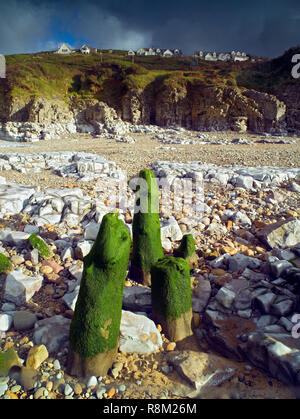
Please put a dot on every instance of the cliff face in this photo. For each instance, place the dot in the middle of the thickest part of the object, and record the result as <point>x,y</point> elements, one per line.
<point>193,107</point>
<point>291,97</point>
<point>207,108</point>
<point>34,109</point>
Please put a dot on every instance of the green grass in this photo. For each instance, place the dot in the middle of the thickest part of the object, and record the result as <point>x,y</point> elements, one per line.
<point>98,75</point>
<point>272,76</point>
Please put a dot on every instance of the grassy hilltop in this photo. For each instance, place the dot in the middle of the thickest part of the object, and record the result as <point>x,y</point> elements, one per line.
<point>108,76</point>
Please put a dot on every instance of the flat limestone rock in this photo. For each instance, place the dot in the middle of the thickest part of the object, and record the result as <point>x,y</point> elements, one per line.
<point>13,197</point>
<point>53,332</point>
<point>137,298</point>
<point>19,288</point>
<point>276,352</point>
<point>282,234</point>
<point>138,334</point>
<point>201,369</point>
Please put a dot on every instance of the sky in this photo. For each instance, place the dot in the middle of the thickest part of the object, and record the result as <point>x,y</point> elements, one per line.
<point>258,27</point>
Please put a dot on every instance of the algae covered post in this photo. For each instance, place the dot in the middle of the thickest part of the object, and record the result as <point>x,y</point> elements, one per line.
<point>187,251</point>
<point>147,246</point>
<point>171,297</point>
<point>94,330</point>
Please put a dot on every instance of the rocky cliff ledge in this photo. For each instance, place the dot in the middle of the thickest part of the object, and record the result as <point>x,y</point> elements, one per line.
<point>197,108</point>
<point>206,108</point>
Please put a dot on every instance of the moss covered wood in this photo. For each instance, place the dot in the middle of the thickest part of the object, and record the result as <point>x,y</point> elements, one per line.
<point>42,247</point>
<point>95,327</point>
<point>187,250</point>
<point>171,297</point>
<point>147,246</point>
<point>8,359</point>
<point>5,264</point>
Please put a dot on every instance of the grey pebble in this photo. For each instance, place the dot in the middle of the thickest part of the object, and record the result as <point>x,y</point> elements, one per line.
<point>56,364</point>
<point>15,388</point>
<point>92,381</point>
<point>3,389</point>
<point>122,388</point>
<point>68,390</point>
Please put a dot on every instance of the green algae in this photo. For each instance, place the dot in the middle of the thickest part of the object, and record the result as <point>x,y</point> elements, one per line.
<point>42,247</point>
<point>147,246</point>
<point>171,287</point>
<point>186,248</point>
<point>96,322</point>
<point>8,359</point>
<point>5,264</point>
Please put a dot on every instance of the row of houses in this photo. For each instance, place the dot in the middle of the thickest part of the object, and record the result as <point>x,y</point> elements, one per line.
<point>223,56</point>
<point>66,49</point>
<point>86,49</point>
<point>155,51</point>
<point>207,56</point>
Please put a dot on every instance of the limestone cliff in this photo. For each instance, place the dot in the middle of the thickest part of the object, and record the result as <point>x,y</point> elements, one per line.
<point>193,107</point>
<point>201,107</point>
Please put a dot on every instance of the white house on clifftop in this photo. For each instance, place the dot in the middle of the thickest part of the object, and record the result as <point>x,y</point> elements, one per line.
<point>85,49</point>
<point>223,56</point>
<point>64,49</point>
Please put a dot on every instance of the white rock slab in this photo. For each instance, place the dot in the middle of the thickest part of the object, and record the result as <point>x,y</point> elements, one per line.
<point>19,288</point>
<point>138,334</point>
<point>91,231</point>
<point>5,322</point>
<point>170,229</point>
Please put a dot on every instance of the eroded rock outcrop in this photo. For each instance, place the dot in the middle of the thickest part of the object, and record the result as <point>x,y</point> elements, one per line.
<point>193,106</point>
<point>204,107</point>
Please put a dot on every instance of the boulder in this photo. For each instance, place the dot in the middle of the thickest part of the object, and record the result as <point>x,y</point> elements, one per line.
<point>225,297</point>
<point>275,352</point>
<point>138,334</point>
<point>24,320</point>
<point>91,231</point>
<point>36,356</point>
<point>19,288</point>
<point>6,321</point>
<point>201,295</point>
<point>53,332</point>
<point>170,229</point>
<point>137,298</point>
<point>282,234</point>
<point>201,370</point>
<point>239,262</point>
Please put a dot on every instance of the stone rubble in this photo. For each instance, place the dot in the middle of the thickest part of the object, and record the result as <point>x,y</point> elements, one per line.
<point>239,176</point>
<point>80,166</point>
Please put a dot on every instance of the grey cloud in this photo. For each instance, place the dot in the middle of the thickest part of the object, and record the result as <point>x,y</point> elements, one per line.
<point>24,26</point>
<point>104,30</point>
<point>261,27</point>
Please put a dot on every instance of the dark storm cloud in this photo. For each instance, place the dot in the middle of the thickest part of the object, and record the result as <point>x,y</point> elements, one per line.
<point>262,27</point>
